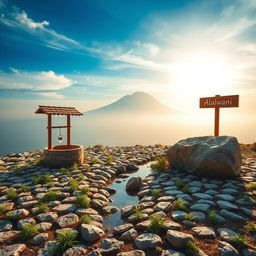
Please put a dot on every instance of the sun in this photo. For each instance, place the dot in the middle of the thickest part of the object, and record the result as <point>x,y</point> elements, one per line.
<point>203,73</point>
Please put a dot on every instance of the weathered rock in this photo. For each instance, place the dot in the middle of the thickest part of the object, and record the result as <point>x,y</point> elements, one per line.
<point>226,233</point>
<point>110,246</point>
<point>38,239</point>
<point>163,206</point>
<point>19,214</point>
<point>75,251</point>
<point>249,252</point>
<point>12,250</point>
<point>67,220</point>
<point>178,239</point>
<point>132,253</point>
<point>65,208</point>
<point>8,235</point>
<point>207,156</point>
<point>148,241</point>
<point>48,216</point>
<point>95,253</point>
<point>48,249</point>
<point>122,228</point>
<point>25,221</point>
<point>91,233</point>
<point>204,232</point>
<point>133,184</point>
<point>226,249</point>
<point>172,253</point>
<point>129,235</point>
<point>5,225</point>
<point>44,226</point>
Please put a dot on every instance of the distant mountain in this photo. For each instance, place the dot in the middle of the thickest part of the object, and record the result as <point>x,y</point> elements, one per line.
<point>137,103</point>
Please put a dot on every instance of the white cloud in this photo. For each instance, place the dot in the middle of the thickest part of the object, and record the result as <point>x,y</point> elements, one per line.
<point>54,95</point>
<point>42,81</point>
<point>23,19</point>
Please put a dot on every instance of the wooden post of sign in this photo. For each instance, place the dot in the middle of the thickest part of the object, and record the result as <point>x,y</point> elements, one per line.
<point>49,131</point>
<point>216,119</point>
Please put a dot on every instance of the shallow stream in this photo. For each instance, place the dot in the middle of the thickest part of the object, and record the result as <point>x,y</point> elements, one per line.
<point>121,198</point>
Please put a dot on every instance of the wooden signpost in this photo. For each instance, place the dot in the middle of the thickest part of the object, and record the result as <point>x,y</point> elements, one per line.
<point>217,102</point>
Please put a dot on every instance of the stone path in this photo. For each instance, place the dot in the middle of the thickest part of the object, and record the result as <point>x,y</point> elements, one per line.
<point>199,216</point>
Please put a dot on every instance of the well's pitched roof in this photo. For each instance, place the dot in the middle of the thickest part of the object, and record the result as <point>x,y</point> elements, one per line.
<point>53,110</point>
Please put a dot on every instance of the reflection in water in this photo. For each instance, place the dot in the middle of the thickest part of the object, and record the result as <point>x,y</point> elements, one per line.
<point>121,198</point>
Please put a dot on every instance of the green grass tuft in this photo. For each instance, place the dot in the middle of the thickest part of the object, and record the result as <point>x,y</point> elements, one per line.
<point>84,190</point>
<point>138,212</point>
<point>83,201</point>
<point>159,165</point>
<point>24,188</point>
<point>211,216</point>
<point>240,240</point>
<point>73,167</point>
<point>251,186</point>
<point>156,225</point>
<point>49,196</point>
<point>155,193</point>
<point>28,231</point>
<point>190,217</point>
<point>3,209</point>
<point>42,208</point>
<point>250,227</point>
<point>65,239</point>
<point>11,194</point>
<point>191,248</point>
<point>85,219</point>
<point>43,179</point>
<point>179,205</point>
<point>74,184</point>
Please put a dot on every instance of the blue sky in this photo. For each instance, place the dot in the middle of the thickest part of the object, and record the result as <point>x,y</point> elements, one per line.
<point>88,53</point>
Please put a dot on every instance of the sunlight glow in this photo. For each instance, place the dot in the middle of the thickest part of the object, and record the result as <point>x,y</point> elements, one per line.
<point>204,74</point>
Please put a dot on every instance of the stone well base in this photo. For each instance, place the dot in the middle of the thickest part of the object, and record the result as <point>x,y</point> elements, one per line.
<point>63,156</point>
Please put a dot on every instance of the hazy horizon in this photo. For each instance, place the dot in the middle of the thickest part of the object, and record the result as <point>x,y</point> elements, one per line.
<point>176,51</point>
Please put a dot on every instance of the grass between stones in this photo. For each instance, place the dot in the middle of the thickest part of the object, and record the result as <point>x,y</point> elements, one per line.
<point>159,165</point>
<point>157,224</point>
<point>85,219</point>
<point>179,205</point>
<point>240,240</point>
<point>11,194</point>
<point>83,201</point>
<point>65,239</point>
<point>191,248</point>
<point>28,231</point>
<point>211,216</point>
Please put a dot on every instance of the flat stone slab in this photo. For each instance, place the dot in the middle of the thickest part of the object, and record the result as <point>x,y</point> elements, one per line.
<point>225,197</point>
<point>12,250</point>
<point>200,207</point>
<point>5,225</point>
<point>147,241</point>
<point>6,236</point>
<point>67,220</point>
<point>226,233</point>
<point>178,215</point>
<point>226,249</point>
<point>122,228</point>
<point>178,239</point>
<point>231,215</point>
<point>110,246</point>
<point>199,215</point>
<point>204,232</point>
<point>226,205</point>
<point>65,208</point>
<point>202,196</point>
<point>48,216</point>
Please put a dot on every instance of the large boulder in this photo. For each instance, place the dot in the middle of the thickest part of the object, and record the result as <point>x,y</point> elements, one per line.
<point>134,184</point>
<point>208,156</point>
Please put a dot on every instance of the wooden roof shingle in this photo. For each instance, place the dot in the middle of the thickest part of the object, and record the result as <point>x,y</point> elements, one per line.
<point>53,110</point>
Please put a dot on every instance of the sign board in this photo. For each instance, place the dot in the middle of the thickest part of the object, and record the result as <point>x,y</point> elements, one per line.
<point>218,102</point>
<point>230,101</point>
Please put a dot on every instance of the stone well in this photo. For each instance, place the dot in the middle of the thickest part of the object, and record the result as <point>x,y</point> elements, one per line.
<point>63,155</point>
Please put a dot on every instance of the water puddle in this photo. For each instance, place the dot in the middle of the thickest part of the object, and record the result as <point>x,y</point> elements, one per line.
<point>121,198</point>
